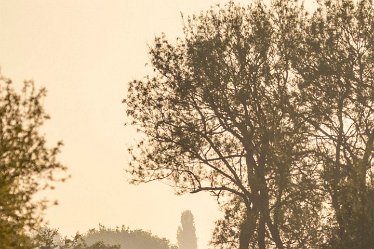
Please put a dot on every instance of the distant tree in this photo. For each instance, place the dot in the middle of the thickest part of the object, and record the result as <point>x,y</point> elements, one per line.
<point>101,245</point>
<point>76,242</point>
<point>47,238</point>
<point>27,164</point>
<point>126,238</point>
<point>186,234</point>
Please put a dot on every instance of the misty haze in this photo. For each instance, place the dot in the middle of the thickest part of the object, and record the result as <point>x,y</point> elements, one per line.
<point>187,124</point>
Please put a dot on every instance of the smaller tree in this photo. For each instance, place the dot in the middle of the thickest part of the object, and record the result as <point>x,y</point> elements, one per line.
<point>27,164</point>
<point>186,234</point>
<point>47,238</point>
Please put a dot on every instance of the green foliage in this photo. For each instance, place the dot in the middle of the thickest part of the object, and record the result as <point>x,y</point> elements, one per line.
<point>186,234</point>
<point>27,165</point>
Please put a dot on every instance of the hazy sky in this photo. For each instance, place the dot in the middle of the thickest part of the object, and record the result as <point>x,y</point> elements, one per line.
<point>84,53</point>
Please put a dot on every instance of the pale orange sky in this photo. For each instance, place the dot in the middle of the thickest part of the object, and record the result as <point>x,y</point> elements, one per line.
<point>84,52</point>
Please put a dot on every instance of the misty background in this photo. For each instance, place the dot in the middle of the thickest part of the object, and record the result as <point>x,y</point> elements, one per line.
<point>84,52</point>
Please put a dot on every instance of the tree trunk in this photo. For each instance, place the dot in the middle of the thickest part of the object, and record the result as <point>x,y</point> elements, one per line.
<point>275,235</point>
<point>247,229</point>
<point>261,232</point>
<point>244,236</point>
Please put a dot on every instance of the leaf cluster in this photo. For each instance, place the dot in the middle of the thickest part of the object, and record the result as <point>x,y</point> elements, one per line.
<point>27,164</point>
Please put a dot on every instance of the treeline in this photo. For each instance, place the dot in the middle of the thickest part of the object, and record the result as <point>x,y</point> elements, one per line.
<point>127,239</point>
<point>118,238</point>
<point>102,238</point>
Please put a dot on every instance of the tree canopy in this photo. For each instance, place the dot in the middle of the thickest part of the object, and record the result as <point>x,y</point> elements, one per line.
<point>269,108</point>
<point>27,164</point>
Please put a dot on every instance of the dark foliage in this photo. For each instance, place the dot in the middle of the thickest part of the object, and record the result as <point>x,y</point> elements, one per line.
<point>270,109</point>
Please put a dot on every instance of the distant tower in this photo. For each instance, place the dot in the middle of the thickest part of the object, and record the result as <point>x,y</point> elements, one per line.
<point>186,234</point>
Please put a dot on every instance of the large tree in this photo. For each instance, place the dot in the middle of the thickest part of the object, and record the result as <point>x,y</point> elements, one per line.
<point>27,164</point>
<point>215,114</point>
<point>335,66</point>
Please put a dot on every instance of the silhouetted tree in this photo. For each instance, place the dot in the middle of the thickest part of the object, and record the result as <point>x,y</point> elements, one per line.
<point>27,165</point>
<point>335,65</point>
<point>186,234</point>
<point>216,118</point>
<point>271,109</point>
